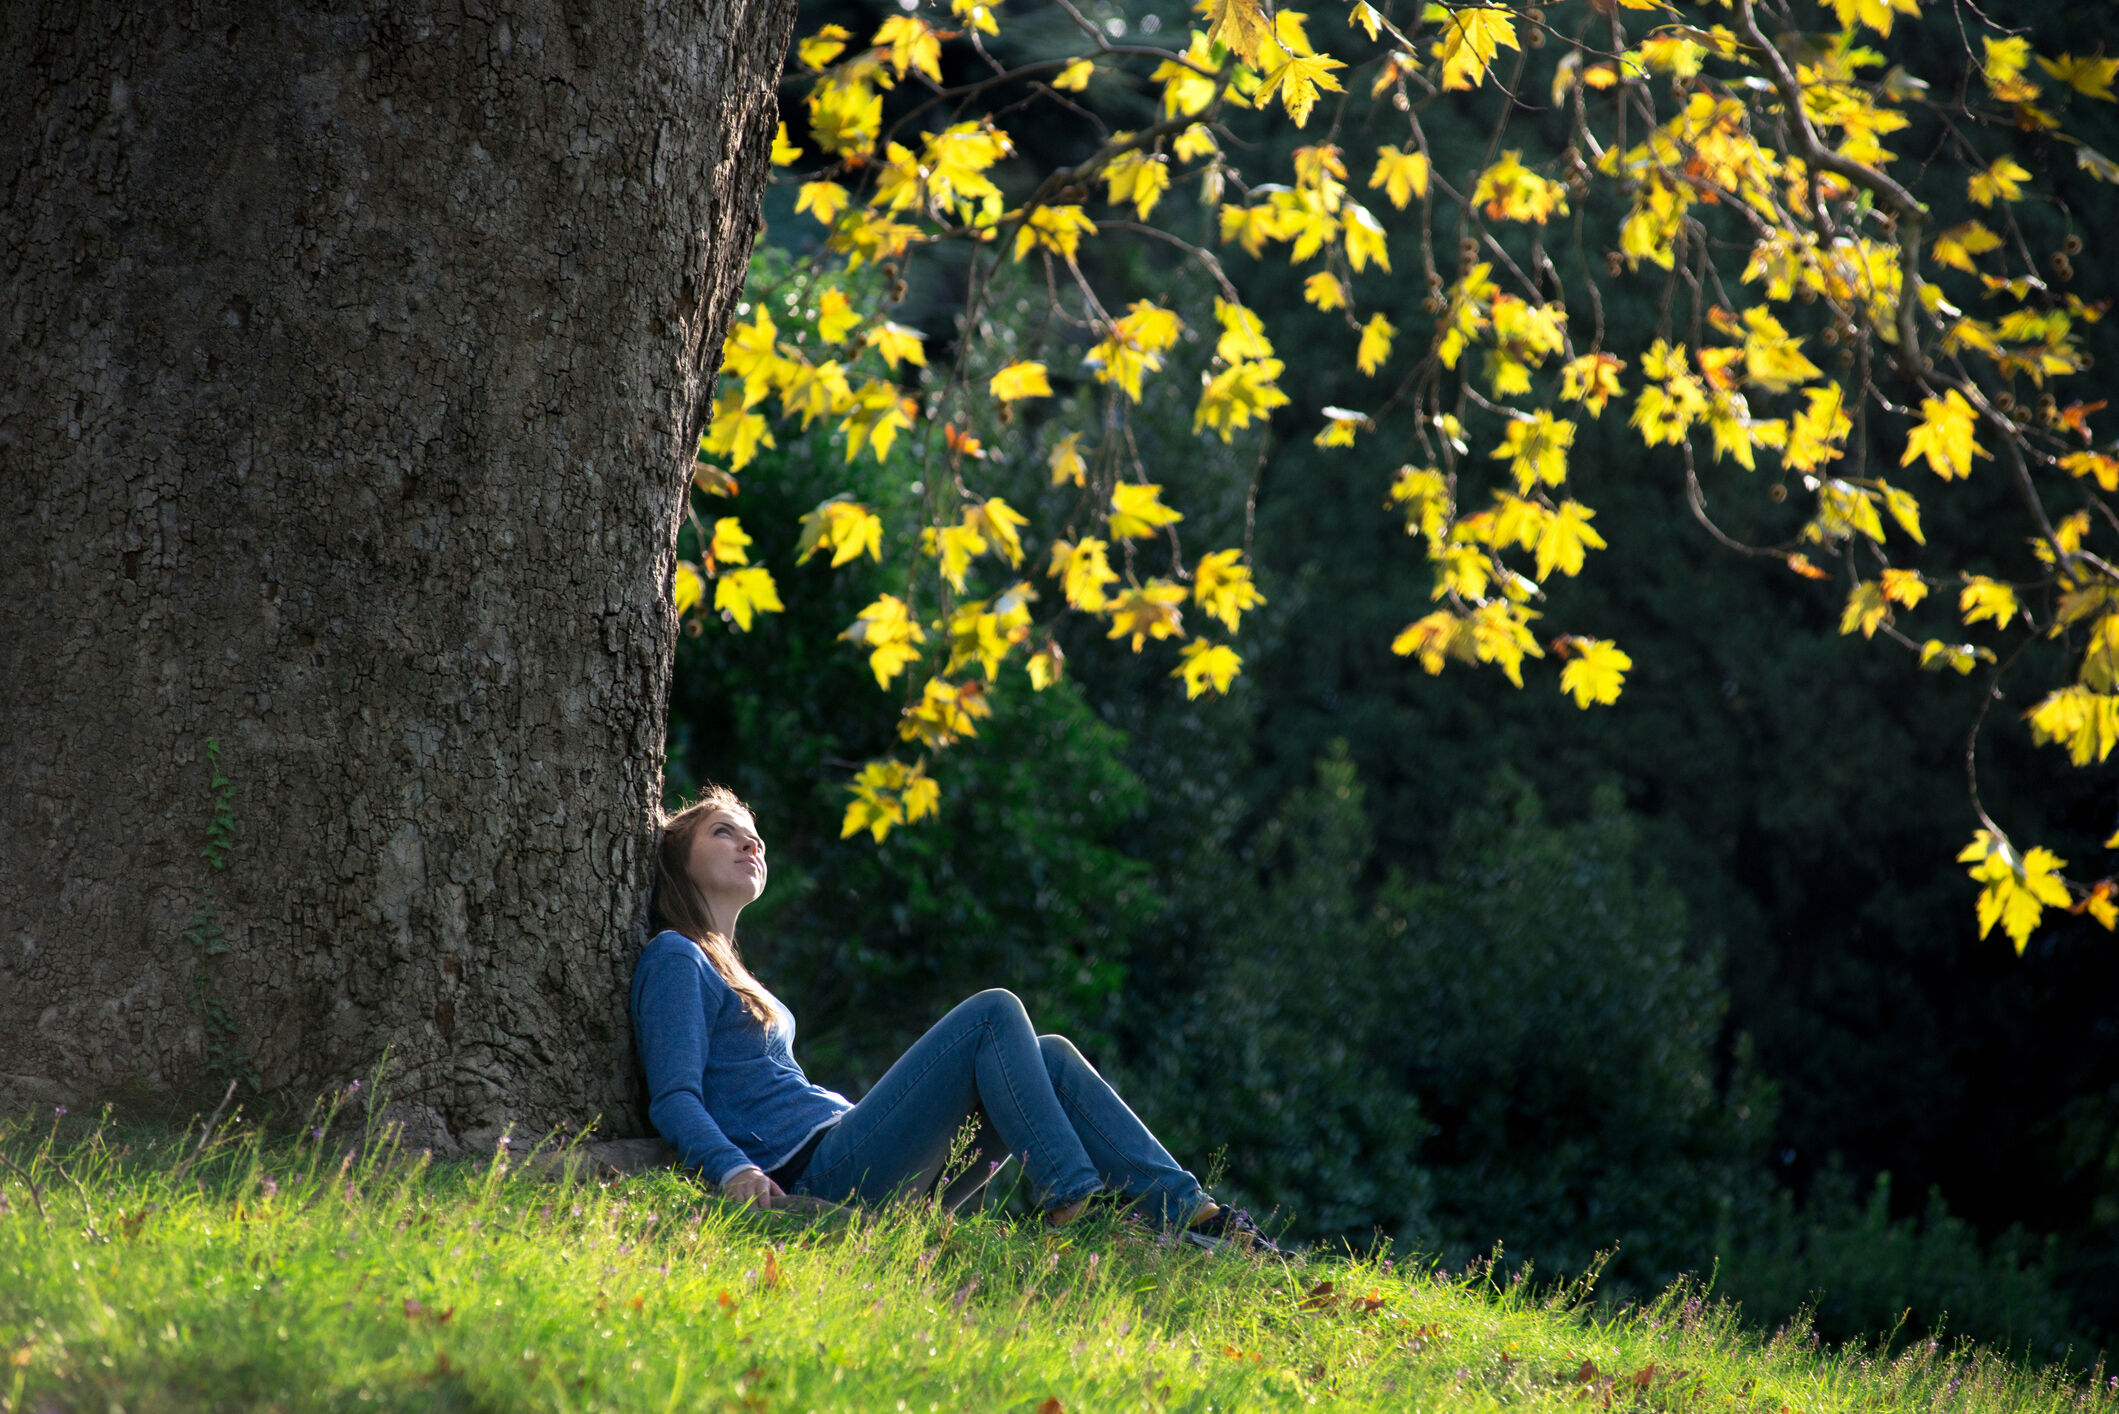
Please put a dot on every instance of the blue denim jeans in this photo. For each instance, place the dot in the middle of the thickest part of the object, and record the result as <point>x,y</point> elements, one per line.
<point>1036,1097</point>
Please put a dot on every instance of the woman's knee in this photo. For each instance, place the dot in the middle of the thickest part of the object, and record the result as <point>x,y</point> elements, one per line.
<point>997,1004</point>
<point>1061,1054</point>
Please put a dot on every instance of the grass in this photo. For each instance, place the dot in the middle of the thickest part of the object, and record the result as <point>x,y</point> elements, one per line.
<point>223,1270</point>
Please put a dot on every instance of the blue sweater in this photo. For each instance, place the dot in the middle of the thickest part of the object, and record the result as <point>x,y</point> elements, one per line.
<point>723,1089</point>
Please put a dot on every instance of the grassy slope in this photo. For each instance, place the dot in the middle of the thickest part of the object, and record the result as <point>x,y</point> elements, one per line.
<point>267,1277</point>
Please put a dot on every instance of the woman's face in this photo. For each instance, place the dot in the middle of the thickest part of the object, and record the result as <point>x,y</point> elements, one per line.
<point>728,860</point>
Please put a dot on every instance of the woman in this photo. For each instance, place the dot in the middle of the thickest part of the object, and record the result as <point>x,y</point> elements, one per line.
<point>725,1091</point>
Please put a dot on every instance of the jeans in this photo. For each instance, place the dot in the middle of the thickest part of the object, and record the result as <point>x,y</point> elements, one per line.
<point>1035,1096</point>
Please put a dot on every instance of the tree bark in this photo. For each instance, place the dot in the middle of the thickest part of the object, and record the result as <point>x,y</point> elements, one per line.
<point>356,356</point>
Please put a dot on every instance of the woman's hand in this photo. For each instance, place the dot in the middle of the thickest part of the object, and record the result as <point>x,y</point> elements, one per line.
<point>752,1185</point>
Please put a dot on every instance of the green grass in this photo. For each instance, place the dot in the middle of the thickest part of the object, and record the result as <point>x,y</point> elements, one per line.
<point>243,1273</point>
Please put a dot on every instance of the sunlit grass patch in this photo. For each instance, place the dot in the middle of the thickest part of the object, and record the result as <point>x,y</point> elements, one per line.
<point>244,1273</point>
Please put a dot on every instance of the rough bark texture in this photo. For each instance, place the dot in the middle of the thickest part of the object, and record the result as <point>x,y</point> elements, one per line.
<point>355,357</point>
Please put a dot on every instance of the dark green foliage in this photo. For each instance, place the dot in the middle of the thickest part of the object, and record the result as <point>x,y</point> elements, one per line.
<point>1557,1017</point>
<point>1859,1271</point>
<point>1273,1047</point>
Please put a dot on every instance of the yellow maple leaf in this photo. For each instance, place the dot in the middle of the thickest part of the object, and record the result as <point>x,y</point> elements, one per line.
<point>895,342</point>
<point>1434,639</point>
<point>2104,468</point>
<point>846,526</point>
<point>886,794</point>
<point>977,13</point>
<point>1815,433</point>
<point>1075,76</point>
<point>1324,290</point>
<point>1904,587</point>
<point>1242,27</point>
<point>1223,589</point>
<point>892,636</point>
<point>784,153</point>
<point>2016,891</point>
<point>1470,38</point>
<point>955,546</point>
<point>1001,524</point>
<point>1375,346</point>
<point>1984,598</point>
<point>1340,425</point>
<point>2006,59</point>
<point>1565,537</point>
<point>1243,333</point>
<point>1535,448</point>
<point>945,713</point>
<point>2004,179</point>
<point>1366,239</point>
<point>827,44</point>
<point>1058,229</point>
<point>735,433</point>
<point>1591,380</point>
<point>823,200</point>
<point>1596,672</point>
<point>1402,175</point>
<point>1956,246</point>
<point>2086,722</point>
<point>1151,611</point>
<point>743,593</point>
<point>1868,609</point>
<point>1510,191</point>
<point>1298,81</point>
<point>1203,665</point>
<point>1022,379</point>
<point>913,44</point>
<point>1046,666</point>
<point>1137,510</point>
<point>1944,436</point>
<point>2091,76</point>
<point>1876,14</point>
<point>1082,570</point>
<point>688,588</point>
<point>1066,461</point>
<point>835,316</point>
<point>727,545</point>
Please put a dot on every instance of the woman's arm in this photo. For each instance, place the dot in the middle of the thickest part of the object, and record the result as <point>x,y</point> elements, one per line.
<point>670,1023</point>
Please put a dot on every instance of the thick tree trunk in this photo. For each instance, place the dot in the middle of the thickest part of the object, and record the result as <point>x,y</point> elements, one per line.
<point>355,356</point>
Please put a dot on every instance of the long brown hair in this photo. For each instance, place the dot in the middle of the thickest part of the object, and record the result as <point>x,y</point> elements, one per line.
<point>681,906</point>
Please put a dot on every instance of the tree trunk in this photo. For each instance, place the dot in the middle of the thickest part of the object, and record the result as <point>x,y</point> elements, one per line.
<point>356,355</point>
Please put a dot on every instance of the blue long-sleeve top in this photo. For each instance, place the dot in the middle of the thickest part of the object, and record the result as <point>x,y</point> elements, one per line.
<point>723,1088</point>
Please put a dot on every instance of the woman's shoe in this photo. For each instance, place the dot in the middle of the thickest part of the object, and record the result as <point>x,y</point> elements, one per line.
<point>1230,1227</point>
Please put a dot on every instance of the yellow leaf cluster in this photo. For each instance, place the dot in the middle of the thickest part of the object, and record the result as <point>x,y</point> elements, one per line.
<point>890,634</point>
<point>1135,345</point>
<point>888,793</point>
<point>1470,39</point>
<point>1083,570</point>
<point>944,714</point>
<point>984,632</point>
<point>1223,589</point>
<point>1152,611</point>
<point>744,593</point>
<point>1203,665</point>
<point>1137,511</point>
<point>2017,890</point>
<point>1595,672</point>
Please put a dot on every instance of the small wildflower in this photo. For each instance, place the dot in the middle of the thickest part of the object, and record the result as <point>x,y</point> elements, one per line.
<point>271,1187</point>
<point>317,1133</point>
<point>58,1111</point>
<point>354,1088</point>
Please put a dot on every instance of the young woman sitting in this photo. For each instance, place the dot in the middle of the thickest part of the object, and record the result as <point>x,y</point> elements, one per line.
<point>725,1091</point>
